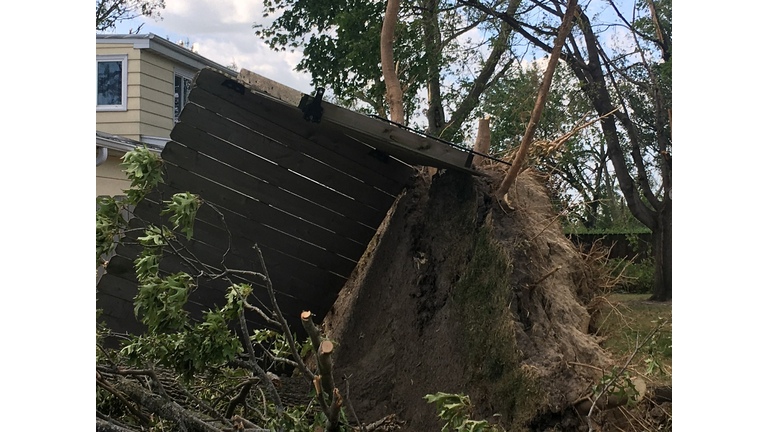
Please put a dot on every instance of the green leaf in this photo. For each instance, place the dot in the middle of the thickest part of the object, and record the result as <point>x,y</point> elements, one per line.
<point>183,209</point>
<point>144,170</point>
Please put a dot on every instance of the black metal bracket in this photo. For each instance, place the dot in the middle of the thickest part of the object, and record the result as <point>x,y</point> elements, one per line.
<point>313,111</point>
<point>234,85</point>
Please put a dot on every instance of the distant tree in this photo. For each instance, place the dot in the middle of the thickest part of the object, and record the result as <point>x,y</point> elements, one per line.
<point>111,12</point>
<point>631,91</point>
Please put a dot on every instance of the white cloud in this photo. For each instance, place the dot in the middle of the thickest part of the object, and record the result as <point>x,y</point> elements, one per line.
<point>222,30</point>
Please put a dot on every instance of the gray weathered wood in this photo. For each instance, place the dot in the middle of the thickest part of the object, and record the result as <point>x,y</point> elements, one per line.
<point>290,277</point>
<point>272,88</point>
<point>274,196</point>
<point>230,139</point>
<point>252,232</point>
<point>259,211</point>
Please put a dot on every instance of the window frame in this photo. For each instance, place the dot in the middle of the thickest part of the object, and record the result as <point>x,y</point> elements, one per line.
<point>124,82</point>
<point>184,75</point>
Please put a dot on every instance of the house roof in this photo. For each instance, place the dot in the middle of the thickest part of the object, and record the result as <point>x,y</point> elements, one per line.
<point>163,47</point>
<point>116,142</point>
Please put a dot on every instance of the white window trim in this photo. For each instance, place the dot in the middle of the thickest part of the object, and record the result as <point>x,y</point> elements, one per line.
<point>124,59</point>
<point>185,74</point>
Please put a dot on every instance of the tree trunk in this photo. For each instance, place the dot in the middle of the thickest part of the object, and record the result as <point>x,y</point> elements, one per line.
<point>394,91</point>
<point>662,254</point>
<point>433,51</point>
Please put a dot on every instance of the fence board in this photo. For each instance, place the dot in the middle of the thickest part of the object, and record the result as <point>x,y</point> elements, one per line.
<point>290,277</point>
<point>282,178</point>
<point>211,292</point>
<point>233,142</point>
<point>258,211</point>
<point>276,197</point>
<point>251,233</point>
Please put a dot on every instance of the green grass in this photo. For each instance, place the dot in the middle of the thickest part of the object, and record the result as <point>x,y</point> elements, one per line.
<point>627,322</point>
<point>480,298</point>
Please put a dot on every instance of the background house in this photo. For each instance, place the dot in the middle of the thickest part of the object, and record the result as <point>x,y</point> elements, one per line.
<point>142,83</point>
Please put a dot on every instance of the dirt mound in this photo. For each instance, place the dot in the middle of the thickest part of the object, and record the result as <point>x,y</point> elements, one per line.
<point>457,295</point>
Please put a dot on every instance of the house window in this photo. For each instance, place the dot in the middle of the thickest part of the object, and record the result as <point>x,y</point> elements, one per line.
<point>111,83</point>
<point>182,84</point>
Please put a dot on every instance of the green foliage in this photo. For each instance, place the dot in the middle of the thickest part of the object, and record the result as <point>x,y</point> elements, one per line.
<point>617,384</point>
<point>207,345</point>
<point>511,102</point>
<point>191,349</point>
<point>144,169</point>
<point>201,351</point>
<point>456,409</point>
<point>638,277</point>
<point>109,222</point>
<point>160,302</point>
<point>339,39</point>
<point>340,43</point>
<point>658,348</point>
<point>183,209</point>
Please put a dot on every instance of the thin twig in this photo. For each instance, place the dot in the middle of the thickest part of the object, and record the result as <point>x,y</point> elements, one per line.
<point>279,316</point>
<point>256,369</point>
<point>588,366</point>
<point>349,403</point>
<point>212,411</point>
<point>276,359</point>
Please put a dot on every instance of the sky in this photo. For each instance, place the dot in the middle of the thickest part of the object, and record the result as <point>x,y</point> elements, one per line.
<point>222,31</point>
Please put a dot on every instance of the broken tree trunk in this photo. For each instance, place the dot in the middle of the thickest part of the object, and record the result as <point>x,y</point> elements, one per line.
<point>323,350</point>
<point>483,140</point>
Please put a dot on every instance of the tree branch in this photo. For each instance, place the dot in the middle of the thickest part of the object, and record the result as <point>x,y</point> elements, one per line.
<point>136,413</point>
<point>168,410</point>
<point>538,108</point>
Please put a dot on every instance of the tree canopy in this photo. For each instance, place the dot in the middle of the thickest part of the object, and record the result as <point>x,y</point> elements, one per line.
<point>111,12</point>
<point>472,57</point>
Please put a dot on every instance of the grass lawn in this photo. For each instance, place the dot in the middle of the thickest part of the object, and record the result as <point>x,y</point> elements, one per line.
<point>627,321</point>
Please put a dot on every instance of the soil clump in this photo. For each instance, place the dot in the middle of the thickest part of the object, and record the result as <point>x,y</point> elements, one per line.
<point>460,294</point>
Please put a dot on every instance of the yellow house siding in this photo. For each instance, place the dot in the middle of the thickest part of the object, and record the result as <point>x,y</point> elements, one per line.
<point>129,116</point>
<point>156,94</point>
<point>151,82</point>
<point>149,119</point>
<point>110,178</point>
<point>122,123</point>
<point>155,131</point>
<point>157,97</point>
<point>150,69</point>
<point>153,107</point>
